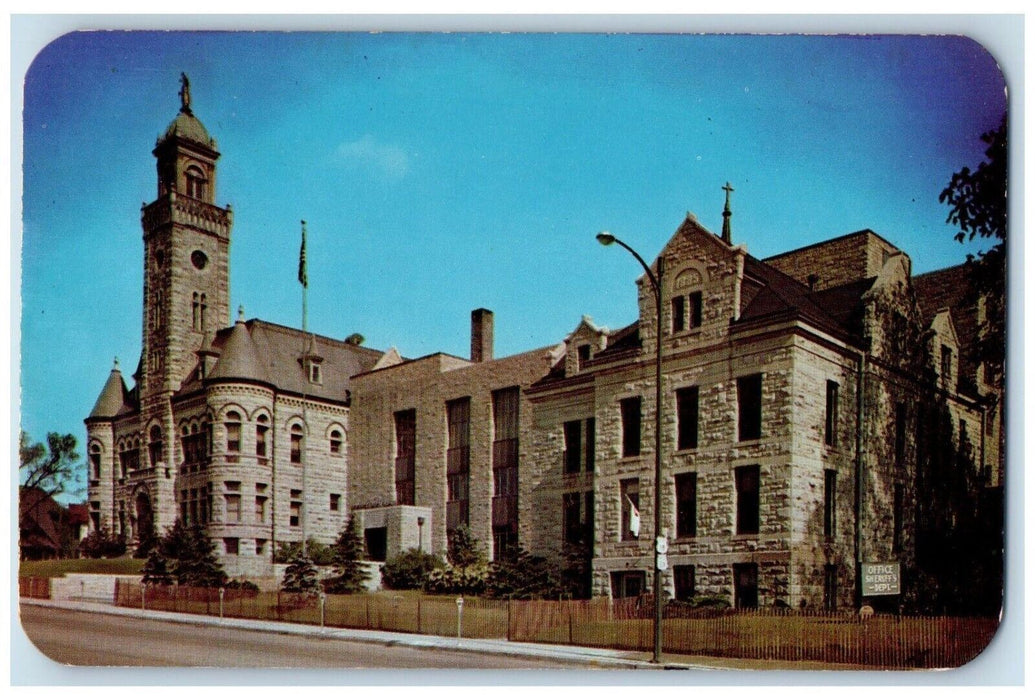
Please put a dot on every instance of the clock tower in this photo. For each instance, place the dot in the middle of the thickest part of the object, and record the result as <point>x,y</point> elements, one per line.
<point>186,254</point>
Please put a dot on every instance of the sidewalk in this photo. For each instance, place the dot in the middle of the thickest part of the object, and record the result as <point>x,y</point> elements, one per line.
<point>591,656</point>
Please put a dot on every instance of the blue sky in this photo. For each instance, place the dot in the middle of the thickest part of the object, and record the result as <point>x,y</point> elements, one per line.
<point>439,173</point>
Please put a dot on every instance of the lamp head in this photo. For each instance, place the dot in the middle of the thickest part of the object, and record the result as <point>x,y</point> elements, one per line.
<point>605,238</point>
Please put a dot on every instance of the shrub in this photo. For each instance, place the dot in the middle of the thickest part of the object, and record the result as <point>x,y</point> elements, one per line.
<point>194,556</point>
<point>102,543</point>
<point>410,570</point>
<point>451,580</point>
<point>156,569</point>
<point>243,585</point>
<point>320,554</point>
<point>523,576</point>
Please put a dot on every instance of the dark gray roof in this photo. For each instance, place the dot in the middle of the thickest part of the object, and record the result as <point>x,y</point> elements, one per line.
<point>259,351</point>
<point>114,399</point>
<point>187,126</point>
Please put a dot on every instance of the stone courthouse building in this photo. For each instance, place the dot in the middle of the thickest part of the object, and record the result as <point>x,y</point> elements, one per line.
<point>794,396</point>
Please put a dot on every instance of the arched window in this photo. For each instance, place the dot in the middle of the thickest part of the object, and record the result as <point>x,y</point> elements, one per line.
<point>195,312</point>
<point>201,315</point>
<point>296,443</point>
<point>156,445</point>
<point>233,436</point>
<point>261,428</point>
<point>336,442</point>
<point>195,182</point>
<point>95,461</point>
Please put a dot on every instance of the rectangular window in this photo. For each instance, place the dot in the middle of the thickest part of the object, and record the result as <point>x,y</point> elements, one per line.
<point>232,545</point>
<point>830,586</point>
<point>829,503</point>
<point>335,502</point>
<point>260,510</point>
<point>572,525</point>
<point>684,577</point>
<point>260,547</point>
<point>589,514</point>
<point>630,426</point>
<point>946,366</point>
<point>686,504</point>
<point>185,506</point>
<point>405,456</point>
<point>630,494</point>
<point>687,417</point>
<point>233,507</point>
<point>749,407</point>
<point>747,500</point>
<point>695,309</point>
<point>458,465</point>
<point>745,586</point>
<point>900,434</point>
<point>830,428</point>
<point>505,406</point>
<point>572,447</point>
<point>678,314</point>
<point>591,444</point>
<point>295,513</point>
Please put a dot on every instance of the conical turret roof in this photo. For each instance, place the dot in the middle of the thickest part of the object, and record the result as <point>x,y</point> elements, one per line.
<point>112,400</point>
<point>239,358</point>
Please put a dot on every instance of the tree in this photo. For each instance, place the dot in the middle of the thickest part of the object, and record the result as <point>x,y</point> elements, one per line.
<point>147,543</point>
<point>978,207</point>
<point>348,551</point>
<point>300,576</point>
<point>156,569</point>
<point>194,555</point>
<point>464,551</point>
<point>44,471</point>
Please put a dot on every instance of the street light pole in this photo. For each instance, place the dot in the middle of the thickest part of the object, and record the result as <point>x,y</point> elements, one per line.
<point>605,238</point>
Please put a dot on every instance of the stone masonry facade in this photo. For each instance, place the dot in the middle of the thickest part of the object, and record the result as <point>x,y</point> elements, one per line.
<point>794,393</point>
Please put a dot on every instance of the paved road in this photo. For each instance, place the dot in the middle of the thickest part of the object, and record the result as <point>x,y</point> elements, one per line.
<point>90,639</point>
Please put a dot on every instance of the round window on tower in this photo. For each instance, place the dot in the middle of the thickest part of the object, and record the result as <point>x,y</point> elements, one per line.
<point>199,259</point>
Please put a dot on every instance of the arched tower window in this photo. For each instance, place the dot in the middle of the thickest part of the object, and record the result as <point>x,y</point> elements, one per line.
<point>195,312</point>
<point>233,436</point>
<point>201,315</point>
<point>155,446</point>
<point>261,428</point>
<point>195,180</point>
<point>95,461</point>
<point>296,443</point>
<point>336,442</point>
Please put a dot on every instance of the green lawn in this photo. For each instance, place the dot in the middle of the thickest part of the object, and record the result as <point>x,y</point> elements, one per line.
<point>53,568</point>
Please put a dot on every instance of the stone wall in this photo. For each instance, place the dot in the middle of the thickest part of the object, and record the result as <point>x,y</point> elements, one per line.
<point>836,261</point>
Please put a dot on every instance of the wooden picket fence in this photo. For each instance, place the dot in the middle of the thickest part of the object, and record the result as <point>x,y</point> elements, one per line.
<point>33,587</point>
<point>881,641</point>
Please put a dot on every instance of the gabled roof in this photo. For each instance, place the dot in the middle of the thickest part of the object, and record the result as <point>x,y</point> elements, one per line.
<point>259,351</point>
<point>114,398</point>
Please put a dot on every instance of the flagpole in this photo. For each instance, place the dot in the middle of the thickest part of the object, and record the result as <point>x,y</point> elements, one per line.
<point>303,277</point>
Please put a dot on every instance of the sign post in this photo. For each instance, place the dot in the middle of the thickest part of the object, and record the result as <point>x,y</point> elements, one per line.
<point>459,616</point>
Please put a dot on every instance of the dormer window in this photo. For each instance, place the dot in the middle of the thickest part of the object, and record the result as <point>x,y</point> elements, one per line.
<point>678,314</point>
<point>686,312</point>
<point>946,365</point>
<point>584,354</point>
<point>315,376</point>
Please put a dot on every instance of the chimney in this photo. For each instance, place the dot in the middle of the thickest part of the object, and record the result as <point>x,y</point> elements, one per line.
<point>481,335</point>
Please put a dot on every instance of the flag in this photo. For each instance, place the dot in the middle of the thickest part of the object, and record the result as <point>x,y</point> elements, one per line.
<point>634,518</point>
<point>303,273</point>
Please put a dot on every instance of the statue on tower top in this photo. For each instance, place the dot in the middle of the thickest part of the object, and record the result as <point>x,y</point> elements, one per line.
<point>184,93</point>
